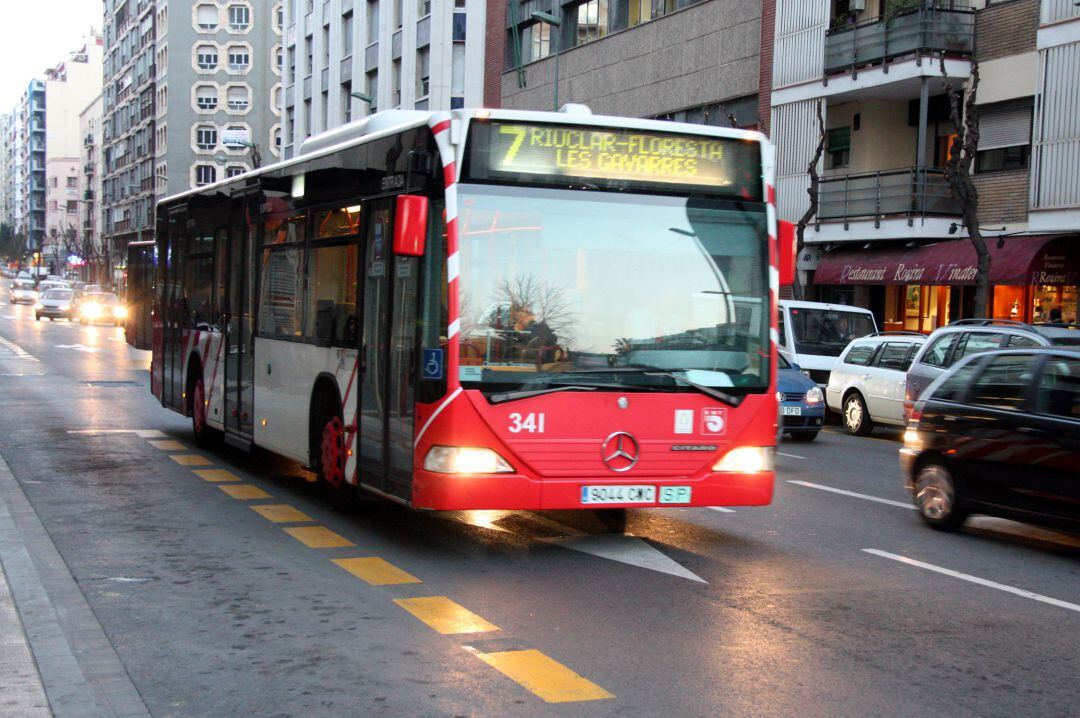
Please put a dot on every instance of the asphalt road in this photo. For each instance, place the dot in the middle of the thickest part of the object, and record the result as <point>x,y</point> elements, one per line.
<point>809,607</point>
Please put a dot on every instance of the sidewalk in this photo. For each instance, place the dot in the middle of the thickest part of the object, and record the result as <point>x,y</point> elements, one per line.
<point>55,659</point>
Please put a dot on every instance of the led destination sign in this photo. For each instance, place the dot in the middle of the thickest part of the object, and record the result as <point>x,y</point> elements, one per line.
<point>613,157</point>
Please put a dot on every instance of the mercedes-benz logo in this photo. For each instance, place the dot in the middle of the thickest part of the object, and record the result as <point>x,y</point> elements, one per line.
<point>620,451</point>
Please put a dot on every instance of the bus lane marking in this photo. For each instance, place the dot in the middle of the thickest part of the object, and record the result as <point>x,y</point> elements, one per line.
<point>975,579</point>
<point>853,494</point>
<point>445,616</point>
<point>542,676</point>
<point>215,475</point>
<point>190,459</point>
<point>315,536</point>
<point>375,571</point>
<point>244,492</point>
<point>281,513</point>
<point>167,445</point>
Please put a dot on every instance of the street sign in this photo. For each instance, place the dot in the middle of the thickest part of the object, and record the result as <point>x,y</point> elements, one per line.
<point>235,138</point>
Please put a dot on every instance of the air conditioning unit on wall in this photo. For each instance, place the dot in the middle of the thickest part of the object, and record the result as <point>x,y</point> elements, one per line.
<point>857,5</point>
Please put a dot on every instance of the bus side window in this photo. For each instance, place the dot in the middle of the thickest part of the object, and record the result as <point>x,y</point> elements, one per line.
<point>331,302</point>
<point>433,307</point>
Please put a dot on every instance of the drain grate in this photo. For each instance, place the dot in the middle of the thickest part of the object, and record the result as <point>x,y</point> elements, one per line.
<point>111,384</point>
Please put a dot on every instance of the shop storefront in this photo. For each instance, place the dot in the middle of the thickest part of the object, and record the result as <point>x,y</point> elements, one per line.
<point>1033,279</point>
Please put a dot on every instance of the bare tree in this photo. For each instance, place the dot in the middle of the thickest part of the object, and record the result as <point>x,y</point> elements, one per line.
<point>812,190</point>
<point>964,115</point>
<point>545,300</point>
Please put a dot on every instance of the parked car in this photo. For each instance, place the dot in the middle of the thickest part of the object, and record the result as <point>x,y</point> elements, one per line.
<point>802,406</point>
<point>101,307</point>
<point>999,434</point>
<point>23,291</point>
<point>951,343</point>
<point>54,304</point>
<point>812,334</point>
<point>868,381</point>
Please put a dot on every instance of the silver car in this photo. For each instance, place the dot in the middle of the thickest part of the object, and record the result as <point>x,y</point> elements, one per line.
<point>867,383</point>
<point>951,343</point>
<point>54,304</point>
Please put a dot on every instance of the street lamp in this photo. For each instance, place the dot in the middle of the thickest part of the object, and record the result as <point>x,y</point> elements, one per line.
<point>362,96</point>
<point>256,157</point>
<point>547,18</point>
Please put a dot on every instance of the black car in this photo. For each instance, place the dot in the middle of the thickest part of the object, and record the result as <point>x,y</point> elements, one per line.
<point>999,434</point>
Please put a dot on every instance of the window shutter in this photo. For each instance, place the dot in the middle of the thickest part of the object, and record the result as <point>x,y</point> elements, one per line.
<point>1006,127</point>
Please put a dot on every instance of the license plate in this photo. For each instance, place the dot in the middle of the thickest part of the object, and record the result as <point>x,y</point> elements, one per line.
<point>674,494</point>
<point>791,411</point>
<point>618,494</point>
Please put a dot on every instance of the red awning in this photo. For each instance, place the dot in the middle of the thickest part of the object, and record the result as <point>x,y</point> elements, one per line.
<point>1021,260</point>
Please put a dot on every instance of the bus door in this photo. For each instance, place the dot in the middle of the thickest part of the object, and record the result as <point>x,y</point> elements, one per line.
<point>388,357</point>
<point>172,320</point>
<point>239,370</point>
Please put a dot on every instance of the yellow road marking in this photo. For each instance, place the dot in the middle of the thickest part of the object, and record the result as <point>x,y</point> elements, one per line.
<point>376,571</point>
<point>244,492</point>
<point>190,459</point>
<point>445,616</point>
<point>544,676</point>
<point>281,513</point>
<point>317,536</point>
<point>167,445</point>
<point>216,475</point>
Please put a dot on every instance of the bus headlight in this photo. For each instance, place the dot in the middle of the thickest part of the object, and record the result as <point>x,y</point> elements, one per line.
<point>814,396</point>
<point>746,460</point>
<point>465,460</point>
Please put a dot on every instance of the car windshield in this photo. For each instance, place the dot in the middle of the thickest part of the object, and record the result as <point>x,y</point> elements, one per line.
<point>826,332</point>
<point>782,362</point>
<point>23,285</point>
<point>557,281</point>
<point>57,294</point>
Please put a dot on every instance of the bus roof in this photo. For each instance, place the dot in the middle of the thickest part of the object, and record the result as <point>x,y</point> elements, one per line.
<point>390,122</point>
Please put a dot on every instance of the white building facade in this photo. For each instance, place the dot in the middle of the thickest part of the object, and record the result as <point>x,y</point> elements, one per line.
<point>409,54</point>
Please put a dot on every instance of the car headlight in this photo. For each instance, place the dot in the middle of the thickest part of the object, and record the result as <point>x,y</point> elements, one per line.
<point>119,312</point>
<point>814,396</point>
<point>39,305</point>
<point>91,310</point>
<point>746,460</point>
<point>465,460</point>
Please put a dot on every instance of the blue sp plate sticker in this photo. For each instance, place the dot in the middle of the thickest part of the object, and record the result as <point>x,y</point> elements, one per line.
<point>433,365</point>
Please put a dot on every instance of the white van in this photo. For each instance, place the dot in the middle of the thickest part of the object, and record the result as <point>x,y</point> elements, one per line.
<point>813,334</point>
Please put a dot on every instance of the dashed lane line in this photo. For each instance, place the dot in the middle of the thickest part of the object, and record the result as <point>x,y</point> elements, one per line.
<point>281,513</point>
<point>215,475</point>
<point>190,459</point>
<point>975,579</point>
<point>790,456</point>
<point>853,494</point>
<point>721,509</point>
<point>445,616</point>
<point>543,676</point>
<point>167,445</point>
<point>316,536</point>
<point>376,571</point>
<point>141,433</point>
<point>244,492</point>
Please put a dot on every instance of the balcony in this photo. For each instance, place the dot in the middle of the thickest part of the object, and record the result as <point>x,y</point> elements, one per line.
<point>917,32</point>
<point>906,193</point>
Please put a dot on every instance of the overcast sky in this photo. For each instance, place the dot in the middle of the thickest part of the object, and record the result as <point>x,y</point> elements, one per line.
<point>37,34</point>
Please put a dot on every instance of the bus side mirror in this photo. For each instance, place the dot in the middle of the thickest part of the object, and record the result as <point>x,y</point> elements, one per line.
<point>410,225</point>
<point>786,246</point>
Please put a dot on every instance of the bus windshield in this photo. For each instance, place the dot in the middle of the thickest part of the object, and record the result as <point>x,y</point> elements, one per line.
<point>826,332</point>
<point>557,282</point>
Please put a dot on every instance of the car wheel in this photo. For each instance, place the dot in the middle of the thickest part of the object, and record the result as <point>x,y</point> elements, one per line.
<point>856,418</point>
<point>937,498</point>
<point>804,435</point>
<point>37,317</point>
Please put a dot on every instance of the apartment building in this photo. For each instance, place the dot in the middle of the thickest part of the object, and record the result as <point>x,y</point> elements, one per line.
<point>672,59</point>
<point>888,234</point>
<point>7,163</point>
<point>30,165</point>
<point>192,96</point>
<point>346,59</point>
<point>96,263</point>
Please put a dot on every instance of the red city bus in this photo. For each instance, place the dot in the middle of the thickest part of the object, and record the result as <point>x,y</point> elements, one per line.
<point>486,309</point>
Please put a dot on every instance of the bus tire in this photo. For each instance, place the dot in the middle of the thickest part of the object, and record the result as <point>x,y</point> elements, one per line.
<point>206,437</point>
<point>328,456</point>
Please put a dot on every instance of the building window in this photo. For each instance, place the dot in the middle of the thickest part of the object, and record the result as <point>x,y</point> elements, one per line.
<point>279,59</point>
<point>279,18</point>
<point>72,206</point>
<point>206,138</point>
<point>423,72</point>
<point>346,101</point>
<point>239,17</point>
<point>206,17</point>
<point>459,4</point>
<point>591,21</point>
<point>205,174</point>
<point>72,182</point>
<point>372,90</point>
<point>239,59</point>
<point>1003,158</point>
<point>459,26</point>
<point>277,138</point>
<point>839,147</point>
<point>207,57</point>
<point>535,42</point>
<point>346,34</point>
<point>423,7</point>
<point>206,97</point>
<point>1004,136</point>
<point>372,21</point>
<point>233,170</point>
<point>238,99</point>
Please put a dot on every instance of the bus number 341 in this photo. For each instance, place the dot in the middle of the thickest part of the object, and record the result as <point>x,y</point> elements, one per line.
<point>530,423</point>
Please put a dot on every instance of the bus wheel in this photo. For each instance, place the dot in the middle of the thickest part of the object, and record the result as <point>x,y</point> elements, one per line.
<point>342,495</point>
<point>198,414</point>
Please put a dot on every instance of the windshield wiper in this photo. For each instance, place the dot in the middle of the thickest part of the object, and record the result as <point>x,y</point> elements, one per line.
<point>505,396</point>
<point>729,399</point>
